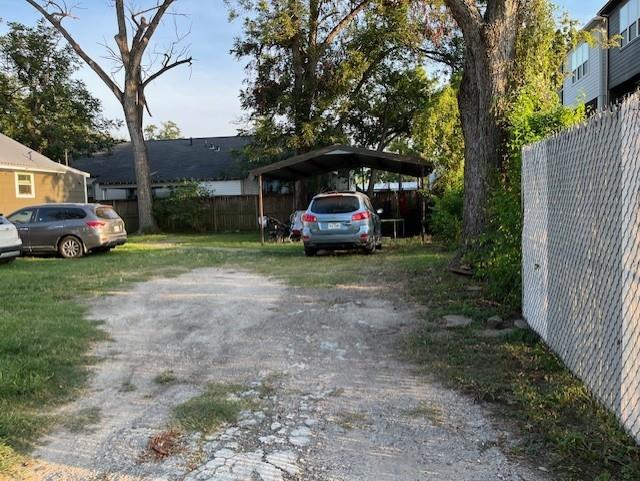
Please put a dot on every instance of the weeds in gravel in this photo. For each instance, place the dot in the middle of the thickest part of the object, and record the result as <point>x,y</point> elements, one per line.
<point>562,425</point>
<point>127,387</point>
<point>349,420</point>
<point>165,377</point>
<point>82,421</point>
<point>206,412</point>
<point>431,411</point>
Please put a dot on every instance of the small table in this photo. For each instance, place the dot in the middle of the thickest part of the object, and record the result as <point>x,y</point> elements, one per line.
<point>395,226</point>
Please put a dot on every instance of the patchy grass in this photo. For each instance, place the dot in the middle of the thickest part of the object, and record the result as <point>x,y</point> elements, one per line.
<point>44,338</point>
<point>127,386</point>
<point>349,420</point>
<point>205,413</point>
<point>82,421</point>
<point>166,377</point>
<point>562,425</point>
<point>431,411</point>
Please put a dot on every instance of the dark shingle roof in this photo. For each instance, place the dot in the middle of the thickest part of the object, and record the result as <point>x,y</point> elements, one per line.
<point>210,158</point>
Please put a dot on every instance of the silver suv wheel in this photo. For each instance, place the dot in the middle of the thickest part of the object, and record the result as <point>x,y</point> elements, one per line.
<point>70,247</point>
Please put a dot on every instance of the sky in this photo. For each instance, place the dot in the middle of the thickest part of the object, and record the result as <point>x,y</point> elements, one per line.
<point>203,99</point>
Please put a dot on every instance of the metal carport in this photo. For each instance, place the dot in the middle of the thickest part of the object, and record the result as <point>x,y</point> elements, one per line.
<point>337,157</point>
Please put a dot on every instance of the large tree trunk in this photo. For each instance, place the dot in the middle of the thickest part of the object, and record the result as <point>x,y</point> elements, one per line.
<point>489,54</point>
<point>483,139</point>
<point>133,110</point>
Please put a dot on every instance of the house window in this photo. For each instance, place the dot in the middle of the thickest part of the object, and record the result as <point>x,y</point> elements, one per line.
<point>580,62</point>
<point>629,21</point>
<point>25,185</point>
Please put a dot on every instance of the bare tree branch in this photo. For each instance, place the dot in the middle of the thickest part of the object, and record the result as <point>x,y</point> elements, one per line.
<point>55,20</point>
<point>121,36</point>
<point>165,67</point>
<point>144,33</point>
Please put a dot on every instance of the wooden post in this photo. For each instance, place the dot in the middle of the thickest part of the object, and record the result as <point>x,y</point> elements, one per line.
<point>261,208</point>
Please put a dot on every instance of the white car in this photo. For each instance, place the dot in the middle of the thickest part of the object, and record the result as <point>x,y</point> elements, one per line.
<point>10,243</point>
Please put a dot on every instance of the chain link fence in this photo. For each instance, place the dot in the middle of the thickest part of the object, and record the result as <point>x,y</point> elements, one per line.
<point>581,253</point>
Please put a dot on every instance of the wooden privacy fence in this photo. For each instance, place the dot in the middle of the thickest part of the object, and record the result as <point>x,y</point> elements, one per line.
<point>240,212</point>
<point>223,213</point>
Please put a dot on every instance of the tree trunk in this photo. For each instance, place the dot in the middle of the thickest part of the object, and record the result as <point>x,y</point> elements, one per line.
<point>489,55</point>
<point>133,116</point>
<point>373,175</point>
<point>483,137</point>
<point>300,197</point>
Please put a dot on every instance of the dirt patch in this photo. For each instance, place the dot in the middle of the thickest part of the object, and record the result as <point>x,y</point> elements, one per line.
<point>327,396</point>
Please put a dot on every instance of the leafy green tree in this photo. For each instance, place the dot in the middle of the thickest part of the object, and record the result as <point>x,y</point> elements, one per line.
<point>385,109</point>
<point>307,60</point>
<point>490,29</point>
<point>168,130</point>
<point>437,136</point>
<point>533,111</point>
<point>41,105</point>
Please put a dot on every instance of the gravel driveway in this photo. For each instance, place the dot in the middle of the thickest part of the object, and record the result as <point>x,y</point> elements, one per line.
<point>341,404</point>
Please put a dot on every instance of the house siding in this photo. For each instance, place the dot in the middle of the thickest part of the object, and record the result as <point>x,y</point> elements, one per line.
<point>624,62</point>
<point>49,188</point>
<point>590,87</point>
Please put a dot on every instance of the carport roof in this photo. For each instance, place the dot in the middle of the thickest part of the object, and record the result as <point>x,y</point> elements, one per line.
<point>336,157</point>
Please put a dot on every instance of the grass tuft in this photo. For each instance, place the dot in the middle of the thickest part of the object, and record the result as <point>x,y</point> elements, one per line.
<point>207,412</point>
<point>349,420</point>
<point>165,377</point>
<point>431,411</point>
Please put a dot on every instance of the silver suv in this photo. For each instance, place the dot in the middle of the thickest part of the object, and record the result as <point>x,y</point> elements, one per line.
<point>341,220</point>
<point>72,230</point>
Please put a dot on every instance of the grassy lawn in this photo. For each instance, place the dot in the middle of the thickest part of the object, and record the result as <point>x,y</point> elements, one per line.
<point>44,336</point>
<point>44,339</point>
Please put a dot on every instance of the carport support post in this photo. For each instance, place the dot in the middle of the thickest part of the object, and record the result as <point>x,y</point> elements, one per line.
<point>261,208</point>
<point>423,206</point>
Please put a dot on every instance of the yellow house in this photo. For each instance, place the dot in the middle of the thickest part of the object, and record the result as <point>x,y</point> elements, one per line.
<point>28,178</point>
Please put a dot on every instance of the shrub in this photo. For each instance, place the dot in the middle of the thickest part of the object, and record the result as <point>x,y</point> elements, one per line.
<point>184,210</point>
<point>446,216</point>
<point>498,253</point>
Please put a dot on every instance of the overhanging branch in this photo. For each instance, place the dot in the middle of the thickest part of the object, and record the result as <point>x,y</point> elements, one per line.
<point>165,68</point>
<point>55,19</point>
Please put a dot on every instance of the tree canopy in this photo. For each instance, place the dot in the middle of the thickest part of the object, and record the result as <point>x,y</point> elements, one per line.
<point>41,104</point>
<point>168,130</point>
<point>307,62</point>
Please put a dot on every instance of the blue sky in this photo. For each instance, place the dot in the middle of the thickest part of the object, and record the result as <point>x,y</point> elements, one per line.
<point>202,100</point>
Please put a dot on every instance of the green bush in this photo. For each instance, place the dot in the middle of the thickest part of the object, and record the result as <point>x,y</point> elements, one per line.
<point>446,216</point>
<point>184,210</point>
<point>497,257</point>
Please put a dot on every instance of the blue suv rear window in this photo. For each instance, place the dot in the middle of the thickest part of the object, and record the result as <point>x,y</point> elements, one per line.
<point>340,204</point>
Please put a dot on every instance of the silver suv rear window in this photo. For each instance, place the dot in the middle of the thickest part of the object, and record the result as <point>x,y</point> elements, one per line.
<point>339,204</point>
<point>106,213</point>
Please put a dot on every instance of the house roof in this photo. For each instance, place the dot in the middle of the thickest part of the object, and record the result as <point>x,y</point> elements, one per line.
<point>595,22</point>
<point>335,157</point>
<point>609,7</point>
<point>206,158</point>
<point>15,156</point>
